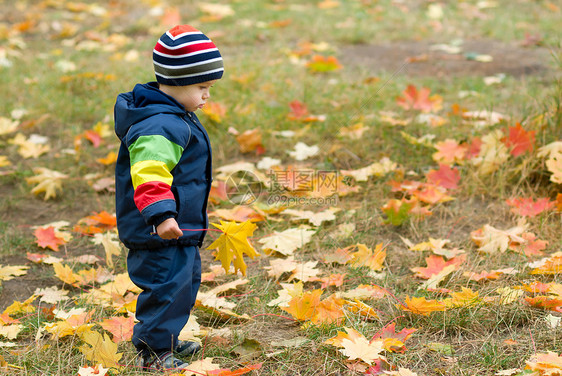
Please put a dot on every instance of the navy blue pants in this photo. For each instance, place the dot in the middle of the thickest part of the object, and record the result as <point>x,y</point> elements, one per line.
<point>169,278</point>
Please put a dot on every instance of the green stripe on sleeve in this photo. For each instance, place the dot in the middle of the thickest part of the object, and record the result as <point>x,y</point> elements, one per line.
<point>155,148</point>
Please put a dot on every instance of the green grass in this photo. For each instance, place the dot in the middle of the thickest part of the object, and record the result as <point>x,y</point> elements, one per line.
<point>259,83</point>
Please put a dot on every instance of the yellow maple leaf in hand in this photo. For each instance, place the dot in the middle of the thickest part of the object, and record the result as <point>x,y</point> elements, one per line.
<point>233,243</point>
<point>100,349</point>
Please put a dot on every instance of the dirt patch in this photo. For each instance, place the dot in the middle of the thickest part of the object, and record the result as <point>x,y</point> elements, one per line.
<point>421,58</point>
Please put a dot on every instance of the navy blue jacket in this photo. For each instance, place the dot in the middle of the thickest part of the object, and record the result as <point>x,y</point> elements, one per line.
<point>163,169</point>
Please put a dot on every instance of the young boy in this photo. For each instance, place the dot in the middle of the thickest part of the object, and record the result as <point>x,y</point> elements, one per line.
<point>162,180</point>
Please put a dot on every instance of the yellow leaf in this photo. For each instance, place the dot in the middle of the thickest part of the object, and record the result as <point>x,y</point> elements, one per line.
<point>64,273</point>
<point>10,331</point>
<point>19,307</point>
<point>372,258</point>
<point>7,125</point>
<point>48,181</point>
<point>30,148</point>
<point>233,243</point>
<point>554,165</point>
<point>304,307</point>
<point>100,349</point>
<point>11,271</point>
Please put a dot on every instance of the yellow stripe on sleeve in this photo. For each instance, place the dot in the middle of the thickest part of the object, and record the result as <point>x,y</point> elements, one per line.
<point>148,171</point>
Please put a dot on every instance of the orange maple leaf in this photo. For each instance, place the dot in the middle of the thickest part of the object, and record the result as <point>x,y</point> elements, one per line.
<point>422,306</point>
<point>414,99</point>
<point>120,327</point>
<point>236,372</point>
<point>250,140</point>
<point>550,362</point>
<point>304,307</point>
<point>449,152</point>
<point>214,111</point>
<point>436,264</point>
<point>46,238</point>
<point>329,310</point>
<point>546,302</point>
<point>372,258</point>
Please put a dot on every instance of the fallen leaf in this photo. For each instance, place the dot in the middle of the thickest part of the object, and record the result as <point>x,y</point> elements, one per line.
<point>46,238</point>
<point>322,64</point>
<point>414,99</point>
<point>519,140</point>
<point>527,207</point>
<point>120,327</point>
<point>286,242</point>
<point>48,181</point>
<point>100,349</point>
<point>233,243</point>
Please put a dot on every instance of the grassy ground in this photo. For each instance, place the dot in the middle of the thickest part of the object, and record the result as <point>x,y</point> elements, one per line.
<point>65,62</point>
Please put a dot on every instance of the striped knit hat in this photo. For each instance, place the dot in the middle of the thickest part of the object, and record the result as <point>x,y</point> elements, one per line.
<point>185,56</point>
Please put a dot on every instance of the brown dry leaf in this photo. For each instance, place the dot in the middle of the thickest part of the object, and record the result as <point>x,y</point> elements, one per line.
<point>250,140</point>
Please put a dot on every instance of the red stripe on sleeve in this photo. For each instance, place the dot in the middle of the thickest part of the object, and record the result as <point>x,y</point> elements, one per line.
<point>151,192</point>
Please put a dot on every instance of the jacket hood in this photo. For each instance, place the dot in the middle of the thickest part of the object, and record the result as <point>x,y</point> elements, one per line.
<point>144,101</point>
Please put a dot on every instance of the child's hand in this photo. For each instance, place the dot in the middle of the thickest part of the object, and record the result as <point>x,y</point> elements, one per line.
<point>169,229</point>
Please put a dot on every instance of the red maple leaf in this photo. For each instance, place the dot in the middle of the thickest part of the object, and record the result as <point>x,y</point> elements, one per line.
<point>519,140</point>
<point>389,331</point>
<point>527,207</point>
<point>298,110</point>
<point>94,137</point>
<point>474,148</point>
<point>46,238</point>
<point>435,264</point>
<point>414,99</point>
<point>445,177</point>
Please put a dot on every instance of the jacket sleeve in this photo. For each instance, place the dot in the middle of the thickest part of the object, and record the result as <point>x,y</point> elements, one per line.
<point>152,159</point>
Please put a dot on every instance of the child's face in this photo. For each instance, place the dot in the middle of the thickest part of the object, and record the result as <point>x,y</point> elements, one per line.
<point>192,97</point>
